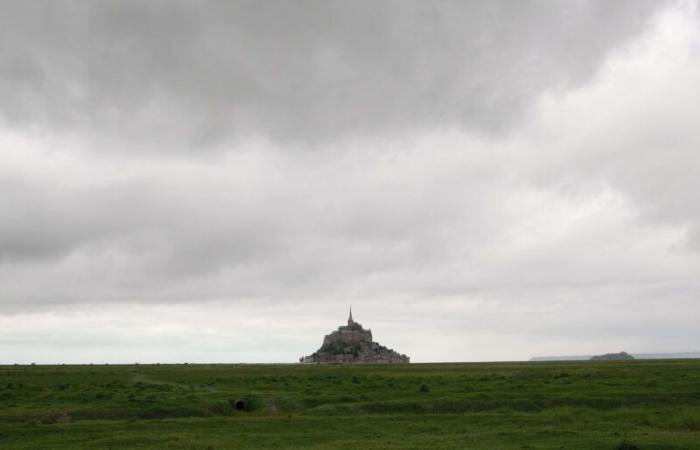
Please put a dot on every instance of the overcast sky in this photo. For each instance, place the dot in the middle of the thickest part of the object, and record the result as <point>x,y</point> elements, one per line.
<point>219,181</point>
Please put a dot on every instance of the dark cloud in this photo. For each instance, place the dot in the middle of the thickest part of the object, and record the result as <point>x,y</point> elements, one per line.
<point>171,75</point>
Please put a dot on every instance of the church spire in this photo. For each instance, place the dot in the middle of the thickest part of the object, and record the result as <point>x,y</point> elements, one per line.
<point>350,321</point>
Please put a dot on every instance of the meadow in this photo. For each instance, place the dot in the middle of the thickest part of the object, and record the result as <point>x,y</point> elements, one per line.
<point>546,405</point>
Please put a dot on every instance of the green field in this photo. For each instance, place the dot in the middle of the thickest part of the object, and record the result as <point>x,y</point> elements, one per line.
<point>558,405</point>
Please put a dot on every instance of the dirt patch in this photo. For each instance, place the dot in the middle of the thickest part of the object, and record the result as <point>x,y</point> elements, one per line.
<point>62,417</point>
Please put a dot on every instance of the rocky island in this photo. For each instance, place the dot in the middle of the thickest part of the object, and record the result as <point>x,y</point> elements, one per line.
<point>353,344</point>
<point>622,356</point>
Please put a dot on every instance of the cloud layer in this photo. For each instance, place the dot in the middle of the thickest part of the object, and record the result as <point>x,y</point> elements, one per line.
<point>177,76</point>
<point>510,180</point>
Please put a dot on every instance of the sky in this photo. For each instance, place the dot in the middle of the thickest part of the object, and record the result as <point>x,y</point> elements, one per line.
<point>220,181</point>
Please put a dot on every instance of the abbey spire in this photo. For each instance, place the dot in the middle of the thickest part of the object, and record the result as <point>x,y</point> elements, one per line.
<point>350,321</point>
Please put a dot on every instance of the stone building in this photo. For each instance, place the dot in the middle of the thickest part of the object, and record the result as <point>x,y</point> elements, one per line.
<point>353,344</point>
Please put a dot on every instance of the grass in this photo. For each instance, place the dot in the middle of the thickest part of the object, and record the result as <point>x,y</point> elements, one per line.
<point>640,405</point>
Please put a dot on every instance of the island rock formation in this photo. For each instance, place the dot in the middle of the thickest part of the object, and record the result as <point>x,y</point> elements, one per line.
<point>622,356</point>
<point>353,344</point>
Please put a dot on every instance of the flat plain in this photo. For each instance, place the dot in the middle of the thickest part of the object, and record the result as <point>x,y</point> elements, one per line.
<point>545,405</point>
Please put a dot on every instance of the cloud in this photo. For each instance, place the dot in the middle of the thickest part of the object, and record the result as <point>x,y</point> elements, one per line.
<point>172,76</point>
<point>479,171</point>
<point>641,140</point>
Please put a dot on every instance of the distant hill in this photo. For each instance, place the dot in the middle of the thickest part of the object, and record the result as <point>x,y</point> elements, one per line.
<point>622,356</point>
<point>683,355</point>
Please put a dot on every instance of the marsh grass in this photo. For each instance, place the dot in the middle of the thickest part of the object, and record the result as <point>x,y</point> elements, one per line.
<point>574,405</point>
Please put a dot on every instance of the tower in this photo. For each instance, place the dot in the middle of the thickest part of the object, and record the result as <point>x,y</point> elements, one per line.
<point>350,321</point>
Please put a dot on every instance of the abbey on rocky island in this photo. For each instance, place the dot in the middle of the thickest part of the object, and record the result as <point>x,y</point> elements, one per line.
<point>353,344</point>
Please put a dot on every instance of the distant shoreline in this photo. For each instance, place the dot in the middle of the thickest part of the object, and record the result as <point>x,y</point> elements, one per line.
<point>679,355</point>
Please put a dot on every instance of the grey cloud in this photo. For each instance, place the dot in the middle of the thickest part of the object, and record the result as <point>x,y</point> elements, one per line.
<point>46,220</point>
<point>174,75</point>
<point>451,190</point>
<point>642,143</point>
